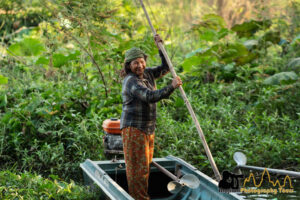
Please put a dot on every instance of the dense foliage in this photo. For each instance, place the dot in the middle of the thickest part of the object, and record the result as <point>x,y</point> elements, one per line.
<point>29,186</point>
<point>60,79</point>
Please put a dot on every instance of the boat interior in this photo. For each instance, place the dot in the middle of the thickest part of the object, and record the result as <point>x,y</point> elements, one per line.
<point>158,181</point>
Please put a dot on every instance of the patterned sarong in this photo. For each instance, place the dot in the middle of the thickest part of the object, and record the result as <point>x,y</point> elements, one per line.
<point>138,153</point>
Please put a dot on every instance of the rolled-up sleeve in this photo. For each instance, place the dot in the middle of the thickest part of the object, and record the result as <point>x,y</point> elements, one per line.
<point>161,70</point>
<point>150,96</point>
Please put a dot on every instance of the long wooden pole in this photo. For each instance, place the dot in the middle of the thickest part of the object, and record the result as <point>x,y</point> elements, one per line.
<point>186,101</point>
<point>166,172</point>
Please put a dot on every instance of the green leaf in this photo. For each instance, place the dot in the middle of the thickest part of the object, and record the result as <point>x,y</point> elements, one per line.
<point>229,67</point>
<point>211,28</point>
<point>209,35</point>
<point>60,59</point>
<point>248,29</point>
<point>213,21</point>
<point>179,102</point>
<point>74,56</point>
<point>189,63</point>
<point>3,101</point>
<point>234,52</point>
<point>250,44</point>
<point>7,116</point>
<point>294,65</point>
<point>3,80</point>
<point>42,60</point>
<point>200,50</point>
<point>270,36</point>
<point>222,33</point>
<point>200,57</point>
<point>27,47</point>
<point>281,78</point>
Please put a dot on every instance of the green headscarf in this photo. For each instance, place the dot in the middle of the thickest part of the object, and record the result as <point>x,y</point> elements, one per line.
<point>134,53</point>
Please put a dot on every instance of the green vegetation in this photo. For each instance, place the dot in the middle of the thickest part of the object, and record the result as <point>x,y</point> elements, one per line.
<point>60,79</point>
<point>29,186</point>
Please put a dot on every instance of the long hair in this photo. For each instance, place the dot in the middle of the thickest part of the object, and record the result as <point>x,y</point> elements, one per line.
<point>126,69</point>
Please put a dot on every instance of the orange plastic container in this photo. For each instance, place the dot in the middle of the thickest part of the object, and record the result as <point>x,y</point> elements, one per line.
<point>111,126</point>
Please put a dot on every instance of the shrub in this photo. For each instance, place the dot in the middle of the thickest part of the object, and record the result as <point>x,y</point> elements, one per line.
<point>32,186</point>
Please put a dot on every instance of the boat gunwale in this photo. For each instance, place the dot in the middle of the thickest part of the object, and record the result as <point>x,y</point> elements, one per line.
<point>99,183</point>
<point>170,158</point>
<point>209,179</point>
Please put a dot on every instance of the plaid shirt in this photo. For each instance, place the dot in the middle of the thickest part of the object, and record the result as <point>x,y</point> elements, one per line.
<point>140,97</point>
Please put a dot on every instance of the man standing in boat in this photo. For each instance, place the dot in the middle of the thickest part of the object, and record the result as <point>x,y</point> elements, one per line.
<point>138,118</point>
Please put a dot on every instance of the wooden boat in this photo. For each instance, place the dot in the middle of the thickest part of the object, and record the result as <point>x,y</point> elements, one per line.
<point>110,177</point>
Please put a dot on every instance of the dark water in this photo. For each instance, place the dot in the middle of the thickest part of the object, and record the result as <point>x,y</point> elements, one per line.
<point>155,190</point>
